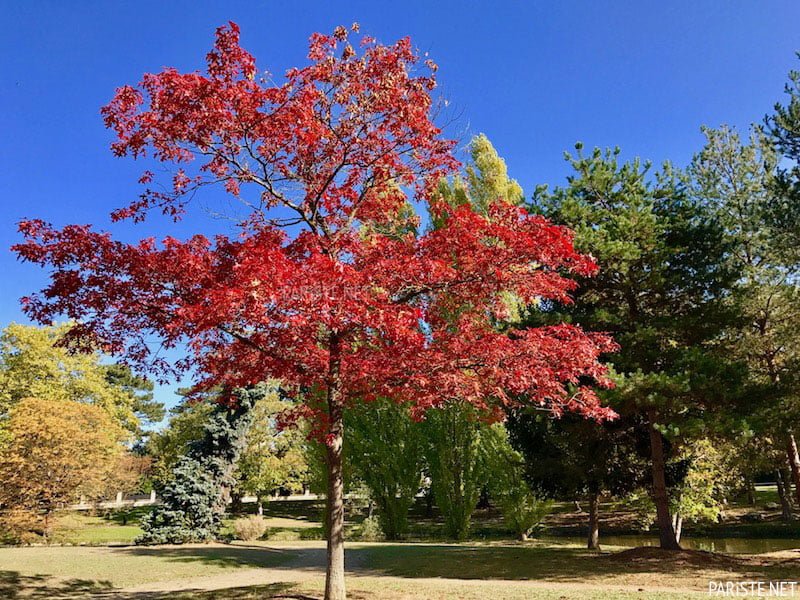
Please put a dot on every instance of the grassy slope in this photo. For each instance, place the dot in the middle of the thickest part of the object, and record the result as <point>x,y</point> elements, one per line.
<point>559,571</point>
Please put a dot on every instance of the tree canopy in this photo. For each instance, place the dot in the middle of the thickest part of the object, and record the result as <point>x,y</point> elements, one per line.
<point>37,362</point>
<point>339,312</point>
<point>54,450</point>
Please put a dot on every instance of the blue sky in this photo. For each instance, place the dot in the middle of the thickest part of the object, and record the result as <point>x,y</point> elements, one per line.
<point>534,76</point>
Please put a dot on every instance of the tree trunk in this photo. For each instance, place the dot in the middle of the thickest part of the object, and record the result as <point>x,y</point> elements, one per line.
<point>677,526</point>
<point>236,502</point>
<point>794,464</point>
<point>784,495</point>
<point>46,530</point>
<point>751,493</point>
<point>334,575</point>
<point>666,532</point>
<point>594,522</point>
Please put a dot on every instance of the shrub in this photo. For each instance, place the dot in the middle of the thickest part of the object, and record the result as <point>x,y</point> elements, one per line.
<point>249,528</point>
<point>371,530</point>
<point>522,509</point>
<point>19,526</point>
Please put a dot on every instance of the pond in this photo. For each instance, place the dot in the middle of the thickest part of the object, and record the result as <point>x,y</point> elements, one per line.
<point>727,545</point>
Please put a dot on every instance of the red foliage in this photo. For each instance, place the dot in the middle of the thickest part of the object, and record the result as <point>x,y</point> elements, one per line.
<point>334,150</point>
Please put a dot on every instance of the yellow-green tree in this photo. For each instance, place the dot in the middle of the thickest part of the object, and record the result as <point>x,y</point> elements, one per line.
<point>485,180</point>
<point>34,365</point>
<point>272,459</point>
<point>54,451</point>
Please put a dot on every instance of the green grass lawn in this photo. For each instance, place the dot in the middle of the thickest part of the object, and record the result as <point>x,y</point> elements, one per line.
<point>83,529</point>
<point>567,563</point>
<point>489,566</point>
<point>537,571</point>
<point>127,566</point>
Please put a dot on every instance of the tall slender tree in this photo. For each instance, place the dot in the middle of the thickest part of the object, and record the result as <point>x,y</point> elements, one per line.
<point>738,180</point>
<point>309,290</point>
<point>783,127</point>
<point>385,447</point>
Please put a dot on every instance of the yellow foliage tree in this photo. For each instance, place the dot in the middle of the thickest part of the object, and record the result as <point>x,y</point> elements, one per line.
<point>54,451</point>
<point>32,364</point>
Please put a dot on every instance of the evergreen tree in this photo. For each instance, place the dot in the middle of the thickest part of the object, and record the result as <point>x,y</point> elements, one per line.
<point>194,500</point>
<point>145,407</point>
<point>783,127</point>
<point>661,292</point>
<point>738,181</point>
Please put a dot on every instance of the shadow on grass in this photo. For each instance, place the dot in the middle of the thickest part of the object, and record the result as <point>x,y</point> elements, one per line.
<point>469,561</point>
<point>238,555</point>
<point>304,510</point>
<point>557,564</point>
<point>15,586</point>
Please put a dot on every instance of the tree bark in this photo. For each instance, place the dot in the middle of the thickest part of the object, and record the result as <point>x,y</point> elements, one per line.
<point>784,495</point>
<point>334,575</point>
<point>677,526</point>
<point>666,532</point>
<point>794,464</point>
<point>594,522</point>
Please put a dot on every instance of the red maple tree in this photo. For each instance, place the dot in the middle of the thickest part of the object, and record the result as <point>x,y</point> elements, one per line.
<point>327,285</point>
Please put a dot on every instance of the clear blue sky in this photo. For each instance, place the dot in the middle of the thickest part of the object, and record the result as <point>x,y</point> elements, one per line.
<point>535,76</point>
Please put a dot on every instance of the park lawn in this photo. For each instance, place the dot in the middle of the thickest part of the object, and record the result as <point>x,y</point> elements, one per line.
<point>82,529</point>
<point>646,568</point>
<point>359,588</point>
<point>376,588</point>
<point>536,570</point>
<point>120,567</point>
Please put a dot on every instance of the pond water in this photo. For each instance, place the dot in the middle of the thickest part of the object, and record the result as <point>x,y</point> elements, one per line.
<point>726,545</point>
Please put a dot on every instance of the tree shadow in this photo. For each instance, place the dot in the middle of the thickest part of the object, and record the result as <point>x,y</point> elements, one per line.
<point>218,555</point>
<point>14,586</point>
<point>526,562</point>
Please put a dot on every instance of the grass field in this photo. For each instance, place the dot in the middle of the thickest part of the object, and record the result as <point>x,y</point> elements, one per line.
<point>377,570</point>
<point>93,557</point>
